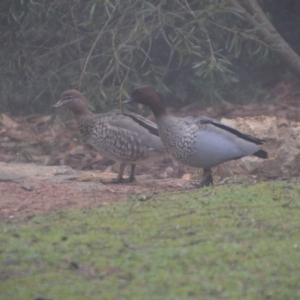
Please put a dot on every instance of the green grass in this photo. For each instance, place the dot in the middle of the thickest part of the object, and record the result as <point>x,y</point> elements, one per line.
<point>229,242</point>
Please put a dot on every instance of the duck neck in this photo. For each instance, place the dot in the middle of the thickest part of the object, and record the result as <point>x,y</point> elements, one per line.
<point>158,108</point>
<point>82,114</point>
<point>158,113</point>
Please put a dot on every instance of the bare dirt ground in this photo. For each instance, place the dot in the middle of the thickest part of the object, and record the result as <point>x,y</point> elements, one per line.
<point>51,143</point>
<point>29,189</point>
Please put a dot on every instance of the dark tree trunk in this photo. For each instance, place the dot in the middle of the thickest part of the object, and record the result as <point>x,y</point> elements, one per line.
<point>253,13</point>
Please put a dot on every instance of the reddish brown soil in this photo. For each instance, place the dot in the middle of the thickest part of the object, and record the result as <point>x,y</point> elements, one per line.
<point>29,198</point>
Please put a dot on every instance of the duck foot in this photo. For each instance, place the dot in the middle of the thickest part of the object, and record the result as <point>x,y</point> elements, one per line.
<point>206,180</point>
<point>120,178</point>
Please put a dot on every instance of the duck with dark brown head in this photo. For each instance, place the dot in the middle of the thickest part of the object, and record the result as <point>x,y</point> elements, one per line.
<point>199,142</point>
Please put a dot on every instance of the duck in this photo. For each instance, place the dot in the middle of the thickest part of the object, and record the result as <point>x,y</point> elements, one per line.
<point>124,137</point>
<point>197,141</point>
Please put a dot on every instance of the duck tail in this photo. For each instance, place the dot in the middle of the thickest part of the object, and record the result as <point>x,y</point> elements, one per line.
<point>261,153</point>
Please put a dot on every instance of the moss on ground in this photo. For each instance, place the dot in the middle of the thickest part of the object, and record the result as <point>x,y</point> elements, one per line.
<point>226,242</point>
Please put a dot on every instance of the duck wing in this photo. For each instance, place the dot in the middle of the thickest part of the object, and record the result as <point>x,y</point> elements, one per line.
<point>214,125</point>
<point>137,125</point>
<point>143,122</point>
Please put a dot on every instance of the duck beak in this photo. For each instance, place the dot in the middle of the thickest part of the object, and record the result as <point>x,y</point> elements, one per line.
<point>59,103</point>
<point>128,100</point>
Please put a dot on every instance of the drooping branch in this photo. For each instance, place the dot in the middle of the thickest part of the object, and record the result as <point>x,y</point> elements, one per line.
<point>253,13</point>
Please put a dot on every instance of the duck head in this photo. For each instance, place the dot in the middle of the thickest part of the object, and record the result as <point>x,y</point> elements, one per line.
<point>74,101</point>
<point>148,96</point>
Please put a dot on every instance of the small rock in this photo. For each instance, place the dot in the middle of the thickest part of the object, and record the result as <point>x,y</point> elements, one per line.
<point>142,197</point>
<point>26,186</point>
<point>187,176</point>
<point>145,177</point>
<point>169,170</point>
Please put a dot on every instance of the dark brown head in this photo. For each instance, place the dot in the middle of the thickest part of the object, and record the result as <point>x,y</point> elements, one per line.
<point>148,96</point>
<point>74,101</point>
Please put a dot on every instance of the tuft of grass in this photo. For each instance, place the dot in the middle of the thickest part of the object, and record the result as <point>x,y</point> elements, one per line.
<point>227,242</point>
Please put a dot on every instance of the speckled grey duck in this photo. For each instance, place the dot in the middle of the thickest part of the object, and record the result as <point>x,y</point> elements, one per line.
<point>124,137</point>
<point>199,141</point>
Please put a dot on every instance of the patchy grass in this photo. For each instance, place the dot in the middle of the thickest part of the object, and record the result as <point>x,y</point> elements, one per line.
<point>227,242</point>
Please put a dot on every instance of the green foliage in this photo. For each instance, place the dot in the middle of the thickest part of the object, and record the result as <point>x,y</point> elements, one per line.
<point>107,47</point>
<point>227,242</point>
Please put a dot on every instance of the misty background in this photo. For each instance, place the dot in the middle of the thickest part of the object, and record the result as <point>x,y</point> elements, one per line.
<point>191,51</point>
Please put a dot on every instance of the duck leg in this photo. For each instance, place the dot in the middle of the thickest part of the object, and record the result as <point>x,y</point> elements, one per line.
<point>131,175</point>
<point>120,178</point>
<point>207,178</point>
